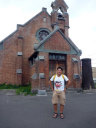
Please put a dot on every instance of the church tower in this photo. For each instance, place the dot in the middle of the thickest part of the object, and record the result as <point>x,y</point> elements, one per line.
<point>59,16</point>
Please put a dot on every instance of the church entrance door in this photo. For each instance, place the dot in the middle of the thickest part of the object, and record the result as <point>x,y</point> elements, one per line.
<point>56,60</point>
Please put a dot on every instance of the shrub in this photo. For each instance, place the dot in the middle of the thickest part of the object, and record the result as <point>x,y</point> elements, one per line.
<point>20,89</point>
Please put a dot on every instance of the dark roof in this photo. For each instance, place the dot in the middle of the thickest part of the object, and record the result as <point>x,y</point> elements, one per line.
<point>66,38</point>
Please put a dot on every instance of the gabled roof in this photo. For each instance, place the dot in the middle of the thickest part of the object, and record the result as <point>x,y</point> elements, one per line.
<point>9,36</point>
<point>69,41</point>
<point>64,3</point>
<point>43,10</point>
<point>57,3</point>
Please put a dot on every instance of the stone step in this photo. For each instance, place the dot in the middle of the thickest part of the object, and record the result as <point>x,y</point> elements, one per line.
<point>42,93</point>
<point>89,91</point>
<point>74,90</point>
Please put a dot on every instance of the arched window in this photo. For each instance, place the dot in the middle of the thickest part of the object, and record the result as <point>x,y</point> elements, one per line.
<point>42,33</point>
<point>59,11</point>
<point>60,14</point>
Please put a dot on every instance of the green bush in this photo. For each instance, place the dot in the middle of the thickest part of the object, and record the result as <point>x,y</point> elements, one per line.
<point>17,92</point>
<point>24,89</point>
<point>8,86</point>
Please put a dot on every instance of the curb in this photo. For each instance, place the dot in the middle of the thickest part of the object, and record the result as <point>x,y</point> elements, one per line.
<point>9,92</point>
<point>90,91</point>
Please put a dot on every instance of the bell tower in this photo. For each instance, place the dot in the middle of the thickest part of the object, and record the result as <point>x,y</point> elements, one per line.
<point>59,16</point>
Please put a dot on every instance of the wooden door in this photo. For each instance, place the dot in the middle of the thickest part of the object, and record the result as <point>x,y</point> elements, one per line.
<point>53,67</point>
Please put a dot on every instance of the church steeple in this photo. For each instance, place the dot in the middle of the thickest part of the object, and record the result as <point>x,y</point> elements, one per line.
<point>60,16</point>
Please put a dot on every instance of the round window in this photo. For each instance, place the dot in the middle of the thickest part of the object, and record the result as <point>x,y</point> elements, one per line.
<point>42,34</point>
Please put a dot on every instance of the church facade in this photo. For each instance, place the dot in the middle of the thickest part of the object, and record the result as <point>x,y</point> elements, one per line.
<point>32,53</point>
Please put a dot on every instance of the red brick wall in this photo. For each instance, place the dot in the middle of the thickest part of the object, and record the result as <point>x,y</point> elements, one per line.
<point>19,60</point>
<point>70,69</point>
<point>45,67</point>
<point>11,61</point>
<point>1,64</point>
<point>34,70</point>
<point>57,42</point>
<point>74,68</point>
<point>40,66</point>
<point>29,33</point>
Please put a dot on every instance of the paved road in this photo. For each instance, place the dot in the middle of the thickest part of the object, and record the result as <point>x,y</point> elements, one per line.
<point>36,112</point>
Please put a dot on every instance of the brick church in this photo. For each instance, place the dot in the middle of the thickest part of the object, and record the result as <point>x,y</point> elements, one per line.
<point>32,53</point>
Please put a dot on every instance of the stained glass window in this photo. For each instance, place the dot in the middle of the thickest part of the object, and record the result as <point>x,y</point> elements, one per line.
<point>42,33</point>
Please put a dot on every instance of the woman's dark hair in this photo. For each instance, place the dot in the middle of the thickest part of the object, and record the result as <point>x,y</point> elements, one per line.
<point>60,68</point>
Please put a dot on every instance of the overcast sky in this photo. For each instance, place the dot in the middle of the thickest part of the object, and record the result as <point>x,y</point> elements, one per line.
<point>82,20</point>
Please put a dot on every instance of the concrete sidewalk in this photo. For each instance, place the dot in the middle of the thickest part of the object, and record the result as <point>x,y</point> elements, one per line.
<point>36,112</point>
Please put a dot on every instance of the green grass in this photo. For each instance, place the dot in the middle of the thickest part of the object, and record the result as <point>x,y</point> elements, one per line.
<point>26,89</point>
